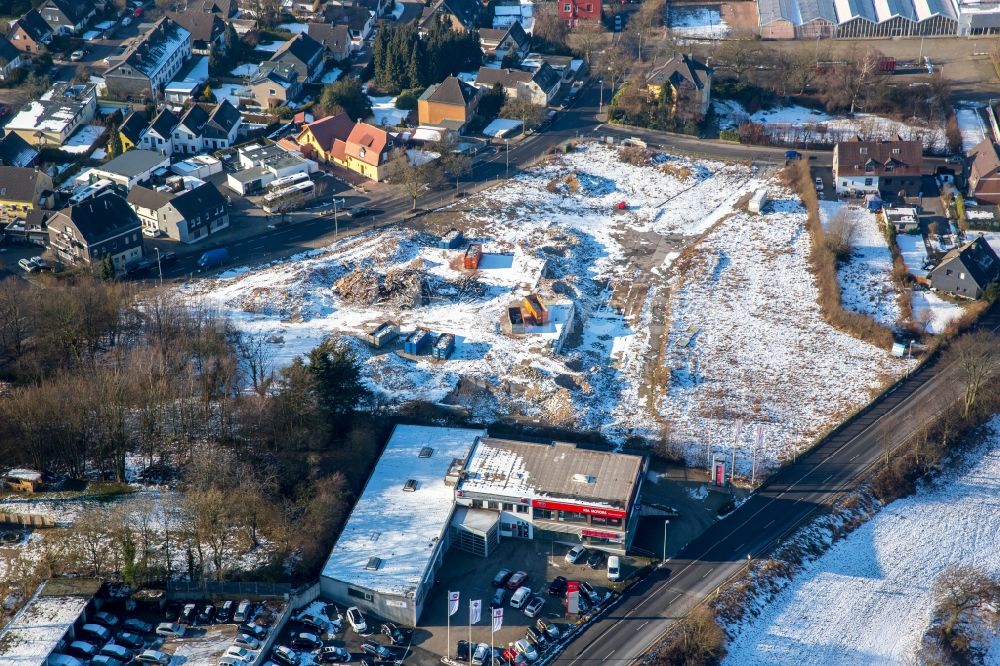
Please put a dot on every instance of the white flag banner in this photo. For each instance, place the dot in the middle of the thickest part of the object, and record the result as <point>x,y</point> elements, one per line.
<point>760,435</point>
<point>497,619</point>
<point>452,603</point>
<point>475,611</point>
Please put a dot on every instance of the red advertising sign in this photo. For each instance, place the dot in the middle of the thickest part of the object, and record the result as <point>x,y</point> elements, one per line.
<point>720,473</point>
<point>573,597</point>
<point>577,508</point>
<point>597,534</point>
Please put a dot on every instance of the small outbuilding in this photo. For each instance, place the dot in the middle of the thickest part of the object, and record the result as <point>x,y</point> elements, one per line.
<point>23,480</point>
<point>903,220</point>
<point>444,346</point>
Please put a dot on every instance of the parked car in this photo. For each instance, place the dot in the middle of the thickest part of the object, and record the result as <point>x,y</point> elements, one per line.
<point>534,606</point>
<point>377,650</point>
<point>523,646</point>
<point>357,620</point>
<point>207,614</point>
<point>82,649</point>
<point>576,555</point>
<point>595,559</point>
<point>332,654</point>
<point>305,641</point>
<point>502,577</point>
<point>396,635</point>
<point>27,265</point>
<point>137,625</point>
<point>517,580</point>
<point>313,625</point>
<point>359,211</point>
<point>119,652</point>
<point>230,660</point>
<point>105,660</point>
<point>225,613</point>
<point>153,657</point>
<point>125,22</point>
<point>77,56</point>
<point>285,655</point>
<point>240,653</point>
<point>152,233</point>
<point>95,632</point>
<point>246,641</point>
<point>499,595</point>
<point>253,629</point>
<point>557,587</point>
<point>462,651</point>
<point>131,640</point>
<point>139,11</point>
<point>188,615</point>
<point>169,258</point>
<point>244,611</point>
<point>588,591</point>
<point>481,656</point>
<point>520,597</point>
<point>109,620</point>
<point>793,155</point>
<point>537,637</point>
<point>614,568</point>
<point>171,630</point>
<point>955,159</point>
<point>551,630</point>
<point>819,184</point>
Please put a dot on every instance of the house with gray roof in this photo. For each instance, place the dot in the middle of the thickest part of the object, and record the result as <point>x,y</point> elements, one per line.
<point>67,17</point>
<point>275,83</point>
<point>966,271</point>
<point>336,38</point>
<point>150,62</point>
<point>304,54</point>
<point>687,80</point>
<point>208,30</point>
<point>538,87</point>
<point>30,32</point>
<point>15,151</point>
<point>158,135</point>
<point>103,226</point>
<point>23,190</point>
<point>198,129</point>
<point>132,167</point>
<point>186,209</point>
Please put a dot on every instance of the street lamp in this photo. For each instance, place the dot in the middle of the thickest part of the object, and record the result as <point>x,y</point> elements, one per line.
<point>665,523</point>
<point>336,224</point>
<point>600,105</point>
<point>159,266</point>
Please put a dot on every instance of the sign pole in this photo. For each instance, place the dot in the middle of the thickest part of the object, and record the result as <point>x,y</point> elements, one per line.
<point>736,442</point>
<point>448,613</point>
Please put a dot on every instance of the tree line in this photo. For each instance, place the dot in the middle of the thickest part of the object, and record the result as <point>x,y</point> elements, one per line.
<point>403,59</point>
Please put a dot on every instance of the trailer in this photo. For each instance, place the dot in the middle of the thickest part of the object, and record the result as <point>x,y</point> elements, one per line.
<point>451,240</point>
<point>417,341</point>
<point>383,334</point>
<point>444,346</point>
<point>473,255</point>
<point>758,201</point>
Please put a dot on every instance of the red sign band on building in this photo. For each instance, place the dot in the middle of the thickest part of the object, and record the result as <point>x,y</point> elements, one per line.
<point>597,534</point>
<point>576,508</point>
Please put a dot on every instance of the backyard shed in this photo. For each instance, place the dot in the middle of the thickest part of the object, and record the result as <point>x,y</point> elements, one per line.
<point>534,309</point>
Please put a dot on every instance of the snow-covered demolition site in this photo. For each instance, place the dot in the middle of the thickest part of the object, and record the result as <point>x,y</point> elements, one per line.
<point>608,289</point>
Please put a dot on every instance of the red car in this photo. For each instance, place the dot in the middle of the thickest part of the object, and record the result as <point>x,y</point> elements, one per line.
<point>517,580</point>
<point>621,205</point>
<point>138,11</point>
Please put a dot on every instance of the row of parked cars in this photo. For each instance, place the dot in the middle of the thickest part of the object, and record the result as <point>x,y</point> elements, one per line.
<point>309,628</point>
<point>106,640</point>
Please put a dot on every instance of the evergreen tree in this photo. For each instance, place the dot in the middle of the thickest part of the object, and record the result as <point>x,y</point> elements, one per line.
<point>105,270</point>
<point>115,144</point>
<point>338,386</point>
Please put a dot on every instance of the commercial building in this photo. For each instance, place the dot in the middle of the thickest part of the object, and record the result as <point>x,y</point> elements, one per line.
<point>51,119</point>
<point>858,19</point>
<point>436,488</point>
<point>263,164</point>
<point>132,167</point>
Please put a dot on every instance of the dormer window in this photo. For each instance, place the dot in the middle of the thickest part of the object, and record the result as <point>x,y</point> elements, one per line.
<point>863,150</point>
<point>361,151</point>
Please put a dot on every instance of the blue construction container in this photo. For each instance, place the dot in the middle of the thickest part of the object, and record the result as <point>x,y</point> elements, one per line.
<point>444,346</point>
<point>451,240</point>
<point>416,342</point>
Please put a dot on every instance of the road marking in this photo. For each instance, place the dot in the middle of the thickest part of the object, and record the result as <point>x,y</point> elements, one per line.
<point>712,569</point>
<point>639,628</point>
<point>609,654</point>
<point>828,478</point>
<point>769,524</point>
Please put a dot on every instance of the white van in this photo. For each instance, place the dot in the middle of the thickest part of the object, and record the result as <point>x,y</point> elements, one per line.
<point>520,597</point>
<point>614,568</point>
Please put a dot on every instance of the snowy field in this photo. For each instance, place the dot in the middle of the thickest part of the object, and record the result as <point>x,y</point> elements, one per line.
<point>868,599</point>
<point>866,280</point>
<point>385,113</point>
<point>933,312</point>
<point>971,124</point>
<point>698,22</point>
<point>748,343</point>
<point>797,124</point>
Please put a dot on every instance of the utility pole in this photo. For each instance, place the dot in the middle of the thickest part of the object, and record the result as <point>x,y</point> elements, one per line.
<point>507,151</point>
<point>600,105</point>
<point>159,266</point>
<point>665,523</point>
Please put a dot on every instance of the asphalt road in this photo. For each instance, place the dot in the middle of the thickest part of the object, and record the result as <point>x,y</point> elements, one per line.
<point>784,503</point>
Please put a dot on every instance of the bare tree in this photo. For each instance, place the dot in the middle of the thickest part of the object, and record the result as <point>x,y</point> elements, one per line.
<point>740,54</point>
<point>840,235</point>
<point>974,357</point>
<point>529,113</point>
<point>414,179</point>
<point>15,317</point>
<point>255,352</point>
<point>587,37</point>
<point>616,62</point>
<point>960,590</point>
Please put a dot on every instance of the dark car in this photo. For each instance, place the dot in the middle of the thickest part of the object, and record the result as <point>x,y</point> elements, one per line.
<point>462,651</point>
<point>312,624</point>
<point>167,258</point>
<point>136,625</point>
<point>537,637</point>
<point>517,580</point>
<point>793,155</point>
<point>359,211</point>
<point>376,650</point>
<point>207,614</point>
<point>253,629</point>
<point>188,615</point>
<point>130,640</point>
<point>557,587</point>
<point>306,641</point>
<point>225,612</point>
<point>588,590</point>
<point>396,635</point>
<point>285,655</point>
<point>333,654</point>
<point>502,577</point>
<point>595,559</point>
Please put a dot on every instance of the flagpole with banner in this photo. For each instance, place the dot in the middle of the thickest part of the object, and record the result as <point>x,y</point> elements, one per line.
<point>495,626</point>
<point>452,609</point>
<point>475,608</point>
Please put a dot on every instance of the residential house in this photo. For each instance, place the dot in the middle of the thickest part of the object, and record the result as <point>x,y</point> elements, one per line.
<point>461,15</point>
<point>687,80</point>
<point>360,21</point>
<point>275,83</point>
<point>23,190</point>
<point>190,83</point>
<point>66,17</point>
<point>538,87</point>
<point>52,118</point>
<point>966,271</point>
<point>15,151</point>
<point>150,62</point>
<point>263,164</point>
<point>208,30</point>
<point>132,167</point>
<point>369,150</point>
<point>575,11</point>
<point>158,136</point>
<point>884,167</point>
<point>188,211</point>
<point>507,12</point>
<point>451,104</point>
<point>30,33</point>
<point>567,67</point>
<point>198,129</point>
<point>10,58</point>
<point>325,140</point>
<point>103,226</point>
<point>227,9</point>
<point>984,172</point>
<point>132,128</point>
<point>304,54</point>
<point>336,38</point>
<point>500,43</point>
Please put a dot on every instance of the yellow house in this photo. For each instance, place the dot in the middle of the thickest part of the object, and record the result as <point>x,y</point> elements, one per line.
<point>324,139</point>
<point>368,151</point>
<point>131,129</point>
<point>22,190</point>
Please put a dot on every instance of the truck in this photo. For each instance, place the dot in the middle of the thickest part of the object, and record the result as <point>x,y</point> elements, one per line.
<point>214,258</point>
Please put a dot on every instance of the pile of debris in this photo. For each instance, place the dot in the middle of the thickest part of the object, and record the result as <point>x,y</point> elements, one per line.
<point>402,287</point>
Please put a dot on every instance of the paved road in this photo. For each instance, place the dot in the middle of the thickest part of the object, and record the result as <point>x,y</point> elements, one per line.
<point>757,526</point>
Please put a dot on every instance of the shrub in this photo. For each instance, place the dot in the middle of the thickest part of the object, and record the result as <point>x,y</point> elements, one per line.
<point>634,155</point>
<point>730,135</point>
<point>694,640</point>
<point>407,100</point>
